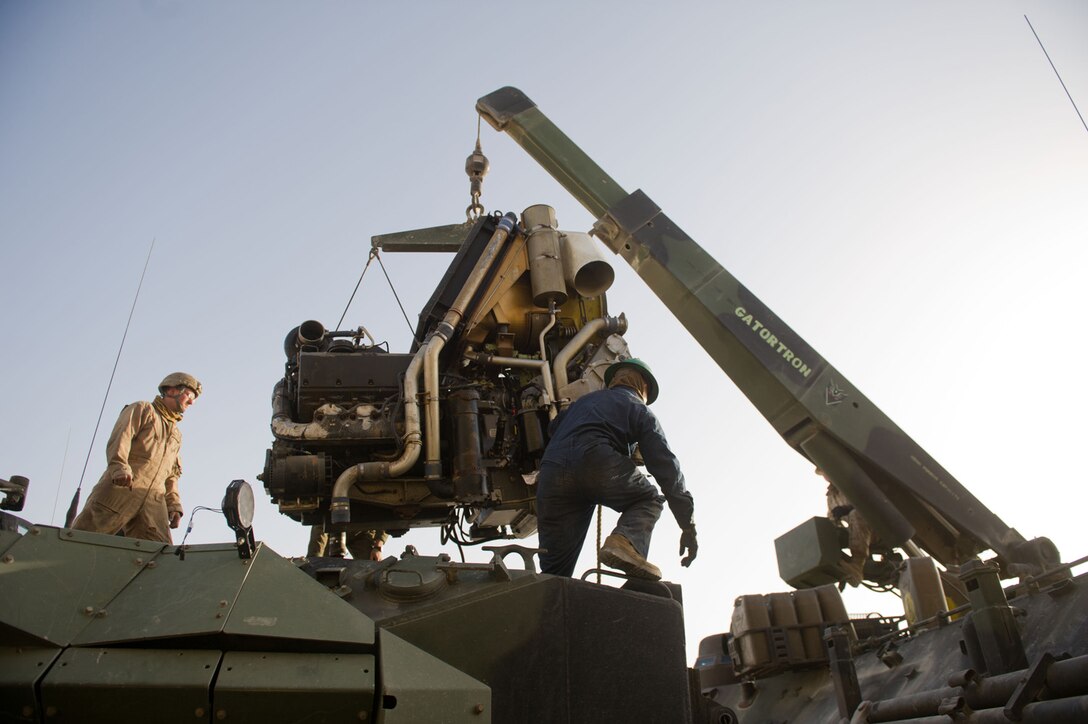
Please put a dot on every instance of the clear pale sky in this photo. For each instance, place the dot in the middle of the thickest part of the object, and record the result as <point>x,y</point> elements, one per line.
<point>904,184</point>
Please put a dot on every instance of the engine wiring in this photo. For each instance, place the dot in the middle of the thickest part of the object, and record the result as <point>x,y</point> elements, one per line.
<point>454,531</point>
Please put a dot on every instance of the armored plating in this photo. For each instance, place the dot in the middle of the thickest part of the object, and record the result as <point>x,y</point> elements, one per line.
<point>765,334</point>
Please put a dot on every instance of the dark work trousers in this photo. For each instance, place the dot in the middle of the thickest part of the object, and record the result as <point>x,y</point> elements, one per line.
<point>567,491</point>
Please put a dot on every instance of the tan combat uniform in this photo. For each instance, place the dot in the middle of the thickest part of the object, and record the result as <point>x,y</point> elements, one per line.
<point>144,445</point>
<point>861,535</point>
<point>361,543</point>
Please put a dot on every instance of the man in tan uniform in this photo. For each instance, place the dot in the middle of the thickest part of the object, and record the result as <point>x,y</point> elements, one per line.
<point>843,513</point>
<point>138,493</point>
<point>364,545</point>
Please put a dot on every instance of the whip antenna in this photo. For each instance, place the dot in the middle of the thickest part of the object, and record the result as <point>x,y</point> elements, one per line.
<point>60,482</point>
<point>71,514</point>
<point>1067,94</point>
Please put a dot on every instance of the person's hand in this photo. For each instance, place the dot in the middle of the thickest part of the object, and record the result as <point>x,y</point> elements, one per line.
<point>123,481</point>
<point>689,543</point>
<point>175,519</point>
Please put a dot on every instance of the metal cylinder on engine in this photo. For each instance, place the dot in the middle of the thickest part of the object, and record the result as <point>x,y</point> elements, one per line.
<point>532,423</point>
<point>585,268</point>
<point>469,478</point>
<point>545,257</point>
<point>311,334</point>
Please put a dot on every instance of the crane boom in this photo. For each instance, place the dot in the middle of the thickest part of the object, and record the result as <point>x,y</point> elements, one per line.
<point>903,493</point>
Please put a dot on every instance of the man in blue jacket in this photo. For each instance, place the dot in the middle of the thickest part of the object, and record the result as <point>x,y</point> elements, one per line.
<point>588,462</point>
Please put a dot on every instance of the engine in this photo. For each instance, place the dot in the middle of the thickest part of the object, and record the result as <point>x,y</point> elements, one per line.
<point>451,433</point>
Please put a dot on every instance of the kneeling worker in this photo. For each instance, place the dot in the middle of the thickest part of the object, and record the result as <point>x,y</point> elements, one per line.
<point>588,462</point>
<point>138,493</point>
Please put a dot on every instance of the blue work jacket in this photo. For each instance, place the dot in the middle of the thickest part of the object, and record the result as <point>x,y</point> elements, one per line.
<point>617,417</point>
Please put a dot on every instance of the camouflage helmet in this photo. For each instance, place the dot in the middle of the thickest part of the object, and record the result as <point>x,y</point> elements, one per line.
<point>181,379</point>
<point>639,366</point>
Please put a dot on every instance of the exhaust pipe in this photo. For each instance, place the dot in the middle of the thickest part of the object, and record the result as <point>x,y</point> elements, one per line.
<point>585,268</point>
<point>432,466</point>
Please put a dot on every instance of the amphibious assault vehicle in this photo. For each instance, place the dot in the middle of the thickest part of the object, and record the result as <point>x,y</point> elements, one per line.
<point>449,435</point>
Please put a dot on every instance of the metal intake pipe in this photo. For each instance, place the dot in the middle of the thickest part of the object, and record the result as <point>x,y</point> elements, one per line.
<point>432,466</point>
<point>283,427</point>
<point>609,325</point>
<point>541,366</point>
<point>546,370</point>
<point>311,333</point>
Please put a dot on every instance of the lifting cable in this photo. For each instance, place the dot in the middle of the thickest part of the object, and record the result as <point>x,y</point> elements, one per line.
<point>476,166</point>
<point>375,255</point>
<point>396,296</point>
<point>599,516</point>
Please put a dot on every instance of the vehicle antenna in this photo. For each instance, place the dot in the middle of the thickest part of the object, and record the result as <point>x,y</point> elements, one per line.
<point>476,166</point>
<point>71,514</point>
<point>60,482</point>
<point>1067,94</point>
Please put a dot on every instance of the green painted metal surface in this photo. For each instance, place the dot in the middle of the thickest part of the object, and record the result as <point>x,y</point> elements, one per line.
<point>433,239</point>
<point>417,687</point>
<point>810,555</point>
<point>281,601</point>
<point>103,685</point>
<point>174,598</point>
<point>213,591</point>
<point>7,539</point>
<point>62,587</point>
<point>295,687</point>
<point>20,671</point>
<point>509,110</point>
<point>557,650</point>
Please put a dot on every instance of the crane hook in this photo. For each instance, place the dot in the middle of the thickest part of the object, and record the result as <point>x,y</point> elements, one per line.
<point>476,166</point>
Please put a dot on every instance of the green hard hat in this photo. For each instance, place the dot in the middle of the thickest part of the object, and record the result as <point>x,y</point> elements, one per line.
<point>642,368</point>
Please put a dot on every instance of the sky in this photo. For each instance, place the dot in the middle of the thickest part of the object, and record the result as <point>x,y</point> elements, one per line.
<point>903,184</point>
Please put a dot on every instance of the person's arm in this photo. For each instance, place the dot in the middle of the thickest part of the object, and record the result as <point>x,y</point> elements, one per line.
<point>380,537</point>
<point>663,465</point>
<point>119,445</point>
<point>173,497</point>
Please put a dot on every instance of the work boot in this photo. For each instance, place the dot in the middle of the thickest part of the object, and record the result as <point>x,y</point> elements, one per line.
<point>617,552</point>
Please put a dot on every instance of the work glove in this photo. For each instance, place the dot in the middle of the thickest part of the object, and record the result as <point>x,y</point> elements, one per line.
<point>688,543</point>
